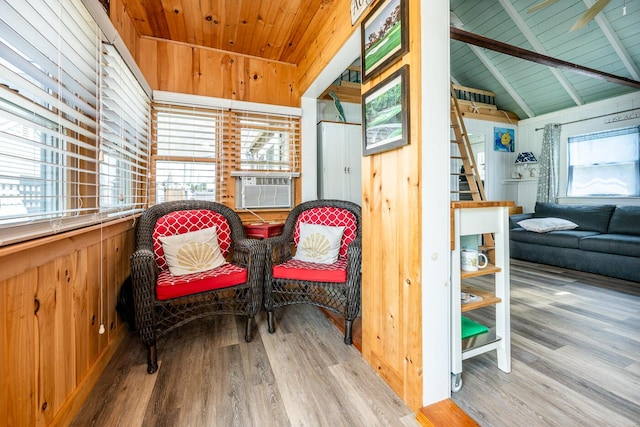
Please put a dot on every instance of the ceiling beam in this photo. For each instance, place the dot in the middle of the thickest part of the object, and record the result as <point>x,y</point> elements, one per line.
<point>484,42</point>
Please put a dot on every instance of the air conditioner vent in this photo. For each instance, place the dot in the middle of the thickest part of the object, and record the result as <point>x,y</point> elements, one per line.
<point>264,192</point>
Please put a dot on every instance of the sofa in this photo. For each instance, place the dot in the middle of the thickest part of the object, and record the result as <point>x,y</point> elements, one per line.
<point>601,239</point>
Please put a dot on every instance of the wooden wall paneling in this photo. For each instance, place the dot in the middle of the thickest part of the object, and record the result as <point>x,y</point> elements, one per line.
<point>93,286</point>
<point>125,27</point>
<point>103,295</point>
<point>50,349</point>
<point>392,288</point>
<point>56,369</point>
<point>18,358</point>
<point>175,67</point>
<point>81,316</point>
<point>4,356</point>
<point>183,68</point>
<point>147,60</point>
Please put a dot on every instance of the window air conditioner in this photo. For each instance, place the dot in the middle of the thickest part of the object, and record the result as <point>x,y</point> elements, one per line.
<point>266,190</point>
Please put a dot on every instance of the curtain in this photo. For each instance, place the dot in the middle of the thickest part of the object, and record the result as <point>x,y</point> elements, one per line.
<point>549,164</point>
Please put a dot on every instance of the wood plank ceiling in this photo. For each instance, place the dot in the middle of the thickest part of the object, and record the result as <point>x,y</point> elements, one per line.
<point>279,30</point>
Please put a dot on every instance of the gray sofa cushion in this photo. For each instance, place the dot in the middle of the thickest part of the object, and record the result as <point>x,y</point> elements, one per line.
<point>617,244</point>
<point>588,217</point>
<point>561,239</point>
<point>625,220</point>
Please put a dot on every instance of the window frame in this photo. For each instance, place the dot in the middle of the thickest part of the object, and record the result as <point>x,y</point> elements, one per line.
<point>573,167</point>
<point>226,155</point>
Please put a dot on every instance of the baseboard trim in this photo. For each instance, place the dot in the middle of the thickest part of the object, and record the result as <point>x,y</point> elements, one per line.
<point>444,414</point>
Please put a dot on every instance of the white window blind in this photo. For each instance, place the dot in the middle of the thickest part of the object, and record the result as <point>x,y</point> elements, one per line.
<point>54,174</point>
<point>187,153</point>
<point>605,164</point>
<point>197,148</point>
<point>266,142</point>
<point>124,137</point>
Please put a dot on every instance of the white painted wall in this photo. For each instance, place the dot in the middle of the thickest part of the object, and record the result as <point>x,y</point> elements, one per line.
<point>310,116</point>
<point>598,116</point>
<point>436,250</point>
<point>498,164</point>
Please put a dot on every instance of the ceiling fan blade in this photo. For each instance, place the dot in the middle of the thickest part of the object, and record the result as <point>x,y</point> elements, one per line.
<point>541,5</point>
<point>590,14</point>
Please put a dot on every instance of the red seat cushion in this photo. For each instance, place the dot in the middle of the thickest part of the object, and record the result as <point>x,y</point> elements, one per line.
<point>311,271</point>
<point>170,286</point>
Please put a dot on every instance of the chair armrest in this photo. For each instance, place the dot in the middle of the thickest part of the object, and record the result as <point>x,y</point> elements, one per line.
<point>513,219</point>
<point>247,252</point>
<point>278,250</point>
<point>144,275</point>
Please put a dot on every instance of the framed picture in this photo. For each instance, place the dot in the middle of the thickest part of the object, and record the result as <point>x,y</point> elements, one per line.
<point>504,140</point>
<point>384,37</point>
<point>385,114</point>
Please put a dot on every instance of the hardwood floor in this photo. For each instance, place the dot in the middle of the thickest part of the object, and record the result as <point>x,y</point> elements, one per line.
<point>575,353</point>
<point>303,375</point>
<point>575,362</point>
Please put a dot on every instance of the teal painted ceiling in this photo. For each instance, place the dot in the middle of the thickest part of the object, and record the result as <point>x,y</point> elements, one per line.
<point>610,43</point>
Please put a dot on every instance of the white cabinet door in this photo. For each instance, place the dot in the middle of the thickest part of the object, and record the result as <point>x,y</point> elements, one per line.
<point>339,161</point>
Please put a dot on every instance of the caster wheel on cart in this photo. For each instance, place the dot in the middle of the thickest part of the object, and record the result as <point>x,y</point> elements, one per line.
<point>456,382</point>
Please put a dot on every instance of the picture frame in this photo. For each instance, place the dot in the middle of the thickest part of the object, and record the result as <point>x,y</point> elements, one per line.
<point>384,37</point>
<point>385,114</point>
<point>504,139</point>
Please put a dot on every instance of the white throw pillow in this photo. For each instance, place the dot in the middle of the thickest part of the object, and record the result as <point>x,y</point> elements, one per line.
<point>319,243</point>
<point>544,225</point>
<point>192,252</point>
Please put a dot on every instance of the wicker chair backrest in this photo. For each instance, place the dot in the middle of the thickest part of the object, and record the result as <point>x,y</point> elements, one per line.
<point>180,222</point>
<point>330,216</point>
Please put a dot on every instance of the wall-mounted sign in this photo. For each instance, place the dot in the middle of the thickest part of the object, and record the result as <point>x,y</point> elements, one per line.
<point>357,9</point>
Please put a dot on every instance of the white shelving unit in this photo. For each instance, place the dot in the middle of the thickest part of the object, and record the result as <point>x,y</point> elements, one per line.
<point>477,218</point>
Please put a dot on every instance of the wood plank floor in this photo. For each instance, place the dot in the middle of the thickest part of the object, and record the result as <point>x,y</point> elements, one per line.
<point>303,375</point>
<point>575,362</point>
<point>575,353</point>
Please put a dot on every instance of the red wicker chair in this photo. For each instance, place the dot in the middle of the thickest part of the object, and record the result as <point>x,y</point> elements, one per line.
<point>164,301</point>
<point>336,286</point>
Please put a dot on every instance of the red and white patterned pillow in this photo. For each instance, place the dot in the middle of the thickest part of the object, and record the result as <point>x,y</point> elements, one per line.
<point>179,222</point>
<point>331,216</point>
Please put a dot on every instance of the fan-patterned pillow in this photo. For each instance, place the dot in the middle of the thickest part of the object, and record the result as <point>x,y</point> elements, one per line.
<point>192,252</point>
<point>319,243</point>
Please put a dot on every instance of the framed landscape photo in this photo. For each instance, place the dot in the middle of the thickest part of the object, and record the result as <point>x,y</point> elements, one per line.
<point>385,114</point>
<point>384,37</point>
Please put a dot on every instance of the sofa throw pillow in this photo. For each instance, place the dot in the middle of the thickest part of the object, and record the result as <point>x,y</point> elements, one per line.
<point>544,225</point>
<point>319,243</point>
<point>192,252</point>
<point>588,217</point>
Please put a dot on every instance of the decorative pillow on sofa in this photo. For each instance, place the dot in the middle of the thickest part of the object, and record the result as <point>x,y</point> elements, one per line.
<point>588,217</point>
<point>319,243</point>
<point>192,252</point>
<point>544,225</point>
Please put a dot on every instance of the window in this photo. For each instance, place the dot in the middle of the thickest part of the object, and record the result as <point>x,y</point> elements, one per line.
<point>197,148</point>
<point>266,142</point>
<point>68,156</point>
<point>605,164</point>
<point>124,137</point>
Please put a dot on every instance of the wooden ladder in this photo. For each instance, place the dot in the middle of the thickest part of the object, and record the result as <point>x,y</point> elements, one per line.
<point>465,154</point>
